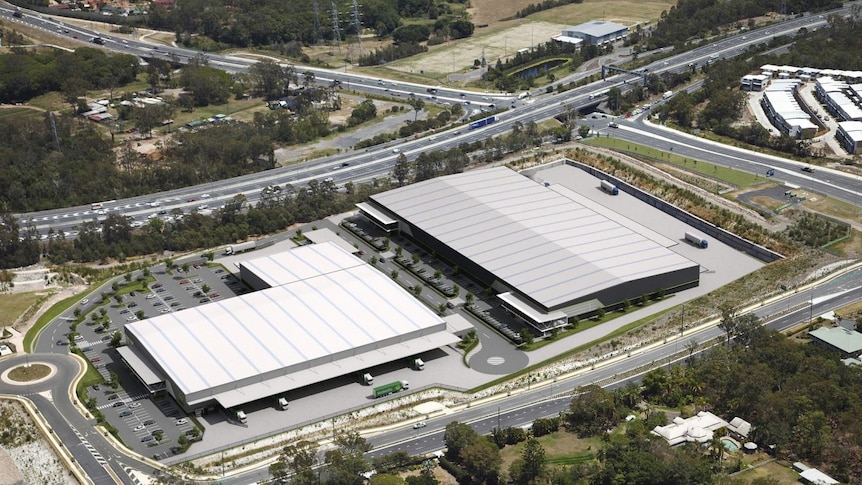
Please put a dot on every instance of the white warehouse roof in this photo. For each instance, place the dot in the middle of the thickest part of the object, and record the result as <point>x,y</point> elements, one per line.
<point>546,245</point>
<point>596,28</point>
<point>329,306</point>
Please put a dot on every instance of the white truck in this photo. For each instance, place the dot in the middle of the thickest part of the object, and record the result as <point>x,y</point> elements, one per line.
<point>281,403</point>
<point>240,248</point>
<point>418,364</point>
<point>240,416</point>
<point>667,95</point>
<point>368,379</point>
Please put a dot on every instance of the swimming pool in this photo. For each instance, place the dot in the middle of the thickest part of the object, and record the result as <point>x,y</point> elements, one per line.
<point>729,444</point>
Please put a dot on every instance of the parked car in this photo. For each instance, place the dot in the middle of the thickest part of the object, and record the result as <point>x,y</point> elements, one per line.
<point>182,421</point>
<point>135,405</point>
<point>125,413</point>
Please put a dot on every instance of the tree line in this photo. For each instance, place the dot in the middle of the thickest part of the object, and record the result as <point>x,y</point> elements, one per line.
<point>214,24</point>
<point>690,19</point>
<point>25,74</point>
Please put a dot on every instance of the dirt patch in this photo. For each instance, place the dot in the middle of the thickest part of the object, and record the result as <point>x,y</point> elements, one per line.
<point>32,373</point>
<point>499,44</point>
<point>442,476</point>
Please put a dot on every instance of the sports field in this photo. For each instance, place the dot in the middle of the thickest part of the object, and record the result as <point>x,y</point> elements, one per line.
<point>503,38</point>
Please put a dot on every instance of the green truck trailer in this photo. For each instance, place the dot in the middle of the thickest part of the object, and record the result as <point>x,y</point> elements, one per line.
<point>390,388</point>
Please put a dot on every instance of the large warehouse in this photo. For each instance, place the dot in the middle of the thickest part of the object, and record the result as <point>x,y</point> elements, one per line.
<point>548,252</point>
<point>323,313</point>
<point>596,32</point>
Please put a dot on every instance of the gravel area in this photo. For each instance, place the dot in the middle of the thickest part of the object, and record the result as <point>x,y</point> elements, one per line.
<point>25,453</point>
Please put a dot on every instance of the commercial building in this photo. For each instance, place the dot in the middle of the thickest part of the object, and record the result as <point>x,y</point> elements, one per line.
<point>547,252</point>
<point>319,313</point>
<point>596,32</point>
<point>754,82</point>
<point>784,112</point>
<point>848,343</point>
<point>842,100</point>
<point>849,135</point>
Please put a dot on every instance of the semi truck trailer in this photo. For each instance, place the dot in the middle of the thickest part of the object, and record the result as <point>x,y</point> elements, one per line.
<point>390,388</point>
<point>609,187</point>
<point>240,248</point>
<point>696,239</point>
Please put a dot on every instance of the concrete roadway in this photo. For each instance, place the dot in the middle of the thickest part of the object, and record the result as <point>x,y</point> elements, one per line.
<point>51,398</point>
<point>378,161</point>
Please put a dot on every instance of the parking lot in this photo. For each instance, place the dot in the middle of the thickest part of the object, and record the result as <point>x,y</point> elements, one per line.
<point>151,426</point>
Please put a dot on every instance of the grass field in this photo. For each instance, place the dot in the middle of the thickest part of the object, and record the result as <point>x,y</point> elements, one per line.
<point>13,306</point>
<point>561,448</point>
<point>16,114</point>
<point>733,177</point>
<point>783,475</point>
<point>625,12</point>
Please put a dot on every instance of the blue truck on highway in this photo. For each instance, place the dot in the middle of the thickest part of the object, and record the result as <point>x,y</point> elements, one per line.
<point>483,122</point>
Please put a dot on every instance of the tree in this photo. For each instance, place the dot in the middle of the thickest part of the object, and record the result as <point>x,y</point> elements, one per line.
<point>117,338</point>
<point>533,465</point>
<point>270,79</point>
<point>118,298</point>
<point>347,462</point>
<point>592,411</point>
<point>158,434</point>
<point>417,105</point>
<point>394,274</point>
<point>457,437</point>
<point>583,131</point>
<point>401,170</point>
<point>482,460</point>
<point>298,460</point>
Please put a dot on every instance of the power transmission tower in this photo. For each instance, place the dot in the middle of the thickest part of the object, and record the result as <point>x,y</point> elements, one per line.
<point>357,25</point>
<point>336,30</point>
<point>316,35</point>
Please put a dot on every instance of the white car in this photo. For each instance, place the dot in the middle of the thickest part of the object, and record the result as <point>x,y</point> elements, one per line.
<point>85,301</point>
<point>205,196</point>
<point>420,424</point>
<point>182,421</point>
<point>150,296</point>
<point>139,427</point>
<point>396,150</point>
<point>135,405</point>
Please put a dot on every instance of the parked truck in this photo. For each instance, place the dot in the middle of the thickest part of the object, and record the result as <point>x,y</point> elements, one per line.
<point>240,416</point>
<point>281,403</point>
<point>417,363</point>
<point>367,378</point>
<point>390,388</point>
<point>240,248</point>
<point>696,239</point>
<point>610,188</point>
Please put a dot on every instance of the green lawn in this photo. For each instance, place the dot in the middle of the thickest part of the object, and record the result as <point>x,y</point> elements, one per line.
<point>561,449</point>
<point>13,306</point>
<point>20,114</point>
<point>728,175</point>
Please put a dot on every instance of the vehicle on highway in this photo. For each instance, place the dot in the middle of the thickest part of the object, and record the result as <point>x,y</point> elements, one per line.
<point>85,301</point>
<point>396,150</point>
<point>61,343</point>
<point>808,168</point>
<point>613,124</point>
<point>420,424</point>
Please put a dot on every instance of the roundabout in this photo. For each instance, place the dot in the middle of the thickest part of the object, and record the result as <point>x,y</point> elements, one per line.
<point>28,373</point>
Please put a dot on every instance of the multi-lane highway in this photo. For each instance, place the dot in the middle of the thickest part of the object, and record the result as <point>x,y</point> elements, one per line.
<point>377,161</point>
<point>523,407</point>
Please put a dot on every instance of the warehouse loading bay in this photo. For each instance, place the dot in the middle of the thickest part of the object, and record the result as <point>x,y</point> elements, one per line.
<point>720,265</point>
